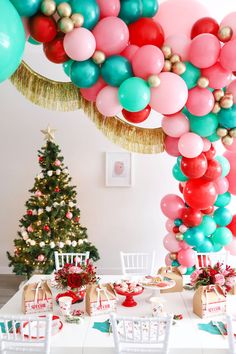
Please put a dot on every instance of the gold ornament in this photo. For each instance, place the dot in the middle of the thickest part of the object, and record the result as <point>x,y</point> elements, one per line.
<point>49,133</point>
<point>66,25</point>
<point>218,94</point>
<point>167,66</point>
<point>175,58</point>
<point>77,19</point>
<point>173,256</point>
<point>167,52</point>
<point>222,132</point>
<point>64,9</point>
<point>227,140</point>
<point>226,102</point>
<point>203,82</point>
<point>179,68</point>
<point>179,236</point>
<point>48,7</point>
<point>216,109</point>
<point>225,34</point>
<point>232,133</point>
<point>154,80</point>
<point>98,57</point>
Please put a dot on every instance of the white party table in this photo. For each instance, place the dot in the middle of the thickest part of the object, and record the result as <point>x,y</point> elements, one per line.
<point>82,338</point>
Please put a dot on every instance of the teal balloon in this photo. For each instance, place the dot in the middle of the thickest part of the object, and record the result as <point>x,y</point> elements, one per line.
<point>89,9</point>
<point>208,225</point>
<point>213,137</point>
<point>12,39</point>
<point>223,199</point>
<point>217,247</point>
<point>67,67</point>
<point>130,10</point>
<point>227,117</point>
<point>178,174</point>
<point>84,74</point>
<point>191,75</point>
<point>206,246</point>
<point>149,8</point>
<point>224,164</point>
<point>134,94</point>
<point>194,237</point>
<point>26,8</point>
<point>115,70</point>
<point>204,125</point>
<point>60,1</point>
<point>178,222</point>
<point>175,264</point>
<point>222,236</point>
<point>31,40</point>
<point>222,216</point>
<point>190,270</point>
<point>179,159</point>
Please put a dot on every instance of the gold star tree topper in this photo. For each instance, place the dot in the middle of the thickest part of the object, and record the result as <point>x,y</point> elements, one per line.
<point>49,133</point>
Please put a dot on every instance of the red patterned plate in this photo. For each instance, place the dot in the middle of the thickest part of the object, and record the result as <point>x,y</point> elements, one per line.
<point>75,298</point>
<point>32,331</point>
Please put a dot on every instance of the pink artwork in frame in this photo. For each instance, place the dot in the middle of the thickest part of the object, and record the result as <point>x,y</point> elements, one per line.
<point>118,169</point>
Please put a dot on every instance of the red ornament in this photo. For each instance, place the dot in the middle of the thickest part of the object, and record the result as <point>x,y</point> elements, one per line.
<point>232,225</point>
<point>214,170</point>
<point>146,31</point>
<point>57,189</point>
<point>77,219</point>
<point>137,117</point>
<point>29,212</point>
<point>175,229</point>
<point>200,193</point>
<point>205,25</point>
<point>211,153</point>
<point>55,51</point>
<point>40,158</point>
<point>195,167</point>
<point>42,28</point>
<point>46,228</point>
<point>191,217</point>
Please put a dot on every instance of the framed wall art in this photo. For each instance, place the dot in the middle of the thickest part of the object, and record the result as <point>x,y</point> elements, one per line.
<point>119,169</point>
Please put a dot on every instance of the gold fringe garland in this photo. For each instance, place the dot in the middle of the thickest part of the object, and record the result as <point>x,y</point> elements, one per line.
<point>64,96</point>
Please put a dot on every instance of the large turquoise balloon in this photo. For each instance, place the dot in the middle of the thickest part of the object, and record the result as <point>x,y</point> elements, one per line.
<point>222,236</point>
<point>149,8</point>
<point>134,94</point>
<point>224,164</point>
<point>207,226</point>
<point>130,10</point>
<point>203,126</point>
<point>191,75</point>
<point>26,8</point>
<point>67,67</point>
<point>84,74</point>
<point>12,39</point>
<point>223,199</point>
<point>116,69</point>
<point>178,174</point>
<point>227,117</point>
<point>194,237</point>
<point>89,9</point>
<point>222,216</point>
<point>206,246</point>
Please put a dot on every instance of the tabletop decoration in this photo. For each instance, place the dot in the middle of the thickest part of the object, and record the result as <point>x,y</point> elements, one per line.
<point>37,297</point>
<point>129,290</point>
<point>75,316</point>
<point>104,327</point>
<point>210,327</point>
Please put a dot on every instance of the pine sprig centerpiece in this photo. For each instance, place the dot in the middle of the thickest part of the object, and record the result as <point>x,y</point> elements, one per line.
<point>52,219</point>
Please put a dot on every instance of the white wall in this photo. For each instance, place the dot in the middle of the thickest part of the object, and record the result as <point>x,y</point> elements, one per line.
<point>116,218</point>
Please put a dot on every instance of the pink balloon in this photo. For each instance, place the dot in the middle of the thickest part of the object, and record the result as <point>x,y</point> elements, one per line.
<point>178,17</point>
<point>227,55</point>
<point>112,35</point>
<point>221,185</point>
<point>171,95</point>
<point>190,145</point>
<point>231,177</point>
<point>79,44</point>
<point>184,245</point>
<point>109,8</point>
<point>182,269</point>
<point>169,225</point>
<point>200,101</point>
<point>147,60</point>
<point>232,89</point>
<point>129,51</point>
<point>187,258</point>
<point>168,261</point>
<point>171,146</point>
<point>232,147</point>
<point>180,45</point>
<point>204,50</point>
<point>206,144</point>
<point>175,125</point>
<point>218,77</point>
<point>25,22</point>
<point>232,247</point>
<point>90,94</point>
<point>230,20</point>
<point>172,206</point>
<point>107,101</point>
<point>170,243</point>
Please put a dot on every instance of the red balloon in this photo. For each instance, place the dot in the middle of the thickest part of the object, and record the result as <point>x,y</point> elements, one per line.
<point>232,226</point>
<point>211,153</point>
<point>205,25</point>
<point>54,50</point>
<point>214,170</point>
<point>146,31</point>
<point>175,229</point>
<point>208,210</point>
<point>191,217</point>
<point>195,167</point>
<point>200,193</point>
<point>137,117</point>
<point>42,28</point>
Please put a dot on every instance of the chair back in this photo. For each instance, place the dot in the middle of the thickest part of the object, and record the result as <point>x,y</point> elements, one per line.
<point>231,335</point>
<point>72,258</point>
<point>25,334</point>
<point>137,263</point>
<point>141,335</point>
<point>206,259</point>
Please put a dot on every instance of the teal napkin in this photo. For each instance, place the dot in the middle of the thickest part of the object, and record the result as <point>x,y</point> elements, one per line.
<point>210,328</point>
<point>9,325</point>
<point>104,327</point>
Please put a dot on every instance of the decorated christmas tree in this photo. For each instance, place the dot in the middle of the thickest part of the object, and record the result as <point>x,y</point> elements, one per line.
<point>52,219</point>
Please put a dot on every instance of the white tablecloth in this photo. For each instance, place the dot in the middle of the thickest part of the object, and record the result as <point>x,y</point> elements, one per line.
<point>186,338</point>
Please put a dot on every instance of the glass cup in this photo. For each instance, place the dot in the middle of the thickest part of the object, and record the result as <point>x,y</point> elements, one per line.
<point>157,306</point>
<point>65,305</point>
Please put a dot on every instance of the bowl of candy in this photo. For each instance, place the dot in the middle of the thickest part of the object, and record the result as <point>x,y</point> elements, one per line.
<point>129,290</point>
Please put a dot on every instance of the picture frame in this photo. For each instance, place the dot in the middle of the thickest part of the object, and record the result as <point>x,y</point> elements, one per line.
<point>119,166</point>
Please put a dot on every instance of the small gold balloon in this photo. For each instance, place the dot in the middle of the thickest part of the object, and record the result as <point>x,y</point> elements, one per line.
<point>203,82</point>
<point>98,57</point>
<point>173,256</point>
<point>179,68</point>
<point>48,7</point>
<point>77,19</point>
<point>225,34</point>
<point>222,132</point>
<point>64,9</point>
<point>66,25</point>
<point>226,102</point>
<point>227,140</point>
<point>216,109</point>
<point>167,66</point>
<point>218,94</point>
<point>175,58</point>
<point>232,133</point>
<point>179,236</point>
<point>154,80</point>
<point>166,50</point>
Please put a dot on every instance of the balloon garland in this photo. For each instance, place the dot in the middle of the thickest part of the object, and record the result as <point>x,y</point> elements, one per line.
<point>133,56</point>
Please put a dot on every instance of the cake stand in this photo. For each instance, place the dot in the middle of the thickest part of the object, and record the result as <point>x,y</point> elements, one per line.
<point>129,300</point>
<point>156,289</point>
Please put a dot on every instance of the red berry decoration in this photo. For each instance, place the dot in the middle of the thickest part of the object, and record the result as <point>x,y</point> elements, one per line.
<point>76,219</point>
<point>146,31</point>
<point>191,217</point>
<point>46,228</point>
<point>57,189</point>
<point>29,212</point>
<point>137,117</point>
<point>42,28</point>
<point>54,50</point>
<point>205,25</point>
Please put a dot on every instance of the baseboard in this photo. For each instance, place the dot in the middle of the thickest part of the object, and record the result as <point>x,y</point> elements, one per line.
<point>5,270</point>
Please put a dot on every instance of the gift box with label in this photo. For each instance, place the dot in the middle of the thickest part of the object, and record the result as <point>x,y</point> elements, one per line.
<point>37,297</point>
<point>100,299</point>
<point>174,274</point>
<point>209,300</point>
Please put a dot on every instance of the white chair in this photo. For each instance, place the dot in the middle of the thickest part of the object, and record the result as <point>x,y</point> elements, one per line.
<point>72,258</point>
<point>137,263</point>
<point>230,332</point>
<point>206,259</point>
<point>37,339</point>
<point>141,335</point>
